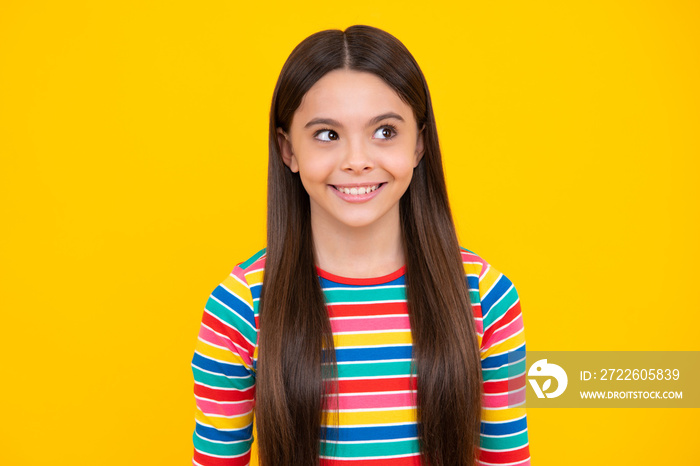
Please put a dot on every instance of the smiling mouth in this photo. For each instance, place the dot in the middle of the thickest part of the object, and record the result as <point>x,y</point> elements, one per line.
<point>358,190</point>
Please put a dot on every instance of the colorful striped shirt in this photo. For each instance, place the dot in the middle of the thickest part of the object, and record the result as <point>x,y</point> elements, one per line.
<point>375,405</point>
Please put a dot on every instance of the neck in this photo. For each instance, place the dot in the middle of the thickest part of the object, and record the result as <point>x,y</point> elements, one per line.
<point>359,252</point>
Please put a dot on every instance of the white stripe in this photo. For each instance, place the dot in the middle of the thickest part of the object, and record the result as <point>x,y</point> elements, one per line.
<point>505,435</point>
<point>362,288</point>
<point>359,303</point>
<point>369,317</point>
<point>355,442</point>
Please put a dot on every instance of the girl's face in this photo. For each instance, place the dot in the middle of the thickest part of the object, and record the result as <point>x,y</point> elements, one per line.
<point>354,143</point>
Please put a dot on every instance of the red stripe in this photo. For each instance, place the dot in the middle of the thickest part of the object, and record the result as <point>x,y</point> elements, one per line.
<point>362,310</point>
<point>511,315</point>
<point>377,385</point>
<point>362,281</point>
<point>207,460</point>
<point>218,326</point>
<point>476,311</point>
<point>505,456</point>
<point>407,461</point>
<point>502,386</point>
<point>224,395</point>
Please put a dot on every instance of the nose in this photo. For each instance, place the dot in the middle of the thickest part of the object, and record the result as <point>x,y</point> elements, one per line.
<point>357,159</point>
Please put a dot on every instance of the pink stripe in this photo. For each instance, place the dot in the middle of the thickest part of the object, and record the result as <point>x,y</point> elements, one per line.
<point>213,338</point>
<point>377,324</point>
<point>255,266</point>
<point>503,334</point>
<point>239,273</point>
<point>225,409</point>
<point>499,401</point>
<point>469,257</point>
<point>403,400</point>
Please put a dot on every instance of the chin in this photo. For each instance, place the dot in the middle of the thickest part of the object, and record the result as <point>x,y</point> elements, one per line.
<point>354,221</point>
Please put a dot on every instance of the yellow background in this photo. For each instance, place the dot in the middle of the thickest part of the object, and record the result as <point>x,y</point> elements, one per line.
<point>133,143</point>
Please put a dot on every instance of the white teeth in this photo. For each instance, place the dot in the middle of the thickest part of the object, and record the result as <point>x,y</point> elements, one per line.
<point>358,191</point>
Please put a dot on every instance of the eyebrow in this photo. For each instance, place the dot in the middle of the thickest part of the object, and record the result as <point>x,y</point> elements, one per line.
<point>375,120</point>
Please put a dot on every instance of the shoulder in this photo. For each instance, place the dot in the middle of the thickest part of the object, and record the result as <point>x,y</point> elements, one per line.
<point>250,272</point>
<point>245,280</point>
<point>234,300</point>
<point>494,299</point>
<point>481,274</point>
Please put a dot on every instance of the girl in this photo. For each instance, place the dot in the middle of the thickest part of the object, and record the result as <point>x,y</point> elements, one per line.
<point>354,336</point>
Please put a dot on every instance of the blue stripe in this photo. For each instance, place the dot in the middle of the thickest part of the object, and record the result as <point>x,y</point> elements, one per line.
<point>511,356</point>
<point>218,367</point>
<point>355,434</point>
<point>255,290</point>
<point>473,282</point>
<point>216,435</point>
<point>373,354</point>
<point>234,302</point>
<point>498,290</point>
<point>504,428</point>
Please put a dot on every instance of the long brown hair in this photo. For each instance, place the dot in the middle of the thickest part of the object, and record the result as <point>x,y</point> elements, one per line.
<point>296,364</point>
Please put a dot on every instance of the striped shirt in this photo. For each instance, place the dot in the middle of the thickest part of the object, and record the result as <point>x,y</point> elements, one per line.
<point>375,404</point>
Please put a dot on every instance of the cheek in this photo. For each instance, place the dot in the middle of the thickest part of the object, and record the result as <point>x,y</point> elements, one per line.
<point>400,164</point>
<point>314,169</point>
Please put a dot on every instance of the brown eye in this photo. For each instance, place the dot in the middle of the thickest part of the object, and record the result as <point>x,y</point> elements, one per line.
<point>385,132</point>
<point>327,135</point>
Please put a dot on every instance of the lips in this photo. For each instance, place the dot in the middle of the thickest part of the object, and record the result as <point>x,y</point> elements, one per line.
<point>357,193</point>
<point>358,190</point>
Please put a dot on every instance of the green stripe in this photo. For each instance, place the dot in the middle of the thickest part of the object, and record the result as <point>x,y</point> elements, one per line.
<point>252,260</point>
<point>221,449</point>
<point>374,369</point>
<point>501,307</point>
<point>505,442</point>
<point>231,318</point>
<point>354,295</point>
<point>474,297</point>
<point>358,450</point>
<point>240,383</point>
<point>504,372</point>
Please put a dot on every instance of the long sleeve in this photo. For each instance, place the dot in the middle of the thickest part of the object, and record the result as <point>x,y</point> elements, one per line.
<point>496,306</point>
<point>224,375</point>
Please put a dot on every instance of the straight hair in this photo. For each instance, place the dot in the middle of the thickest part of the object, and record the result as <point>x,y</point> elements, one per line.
<point>296,356</point>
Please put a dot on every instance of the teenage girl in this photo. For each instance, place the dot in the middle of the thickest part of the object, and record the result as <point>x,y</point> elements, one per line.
<point>363,334</point>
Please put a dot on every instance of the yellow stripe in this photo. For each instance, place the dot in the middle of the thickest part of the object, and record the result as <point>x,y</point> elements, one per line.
<point>255,278</point>
<point>238,422</point>
<point>377,417</point>
<point>219,354</point>
<point>487,282</point>
<point>500,415</point>
<point>369,339</point>
<point>238,289</point>
<point>473,268</point>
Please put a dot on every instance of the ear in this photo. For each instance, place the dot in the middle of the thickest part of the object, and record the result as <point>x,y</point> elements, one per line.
<point>420,146</point>
<point>286,151</point>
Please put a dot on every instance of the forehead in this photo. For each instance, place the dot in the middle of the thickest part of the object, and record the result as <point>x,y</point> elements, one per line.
<point>350,94</point>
